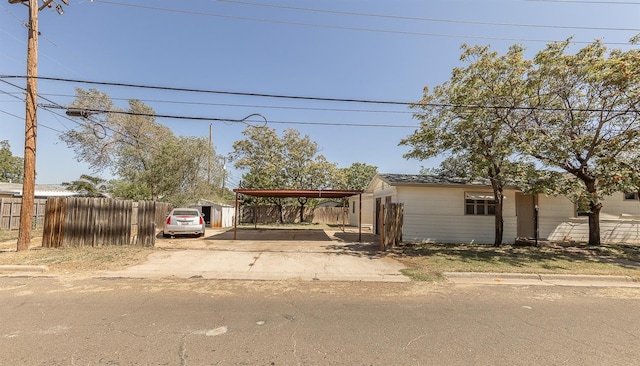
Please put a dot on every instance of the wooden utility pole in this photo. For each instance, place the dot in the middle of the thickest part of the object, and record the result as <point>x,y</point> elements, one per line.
<point>31,123</point>
<point>31,120</point>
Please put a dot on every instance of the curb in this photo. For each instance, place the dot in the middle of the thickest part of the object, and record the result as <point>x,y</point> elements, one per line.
<point>21,268</point>
<point>542,279</point>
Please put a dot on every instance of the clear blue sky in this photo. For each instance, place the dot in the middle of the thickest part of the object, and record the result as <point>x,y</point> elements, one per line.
<point>348,49</point>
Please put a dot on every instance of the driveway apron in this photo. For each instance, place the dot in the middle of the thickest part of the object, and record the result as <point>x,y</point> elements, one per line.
<point>309,255</point>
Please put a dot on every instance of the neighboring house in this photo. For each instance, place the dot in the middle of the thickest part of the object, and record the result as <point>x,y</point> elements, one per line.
<point>215,214</point>
<point>11,201</point>
<point>447,210</point>
<point>13,190</point>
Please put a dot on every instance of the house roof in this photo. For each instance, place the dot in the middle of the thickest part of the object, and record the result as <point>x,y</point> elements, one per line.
<point>308,193</point>
<point>15,189</point>
<point>418,179</point>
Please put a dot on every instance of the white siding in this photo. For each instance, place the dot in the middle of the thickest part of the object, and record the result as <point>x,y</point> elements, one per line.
<point>367,211</point>
<point>619,220</point>
<point>616,205</point>
<point>437,214</point>
<point>553,211</point>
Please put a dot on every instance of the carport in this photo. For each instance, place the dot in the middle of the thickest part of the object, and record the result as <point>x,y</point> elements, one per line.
<point>294,193</point>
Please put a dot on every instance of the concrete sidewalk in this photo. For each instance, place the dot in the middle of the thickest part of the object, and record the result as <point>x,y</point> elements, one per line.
<point>266,265</point>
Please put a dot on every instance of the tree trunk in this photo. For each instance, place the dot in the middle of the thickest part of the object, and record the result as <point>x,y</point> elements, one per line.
<point>280,214</point>
<point>301,213</point>
<point>594,210</point>
<point>499,219</point>
<point>499,223</point>
<point>594,223</point>
<point>302,203</point>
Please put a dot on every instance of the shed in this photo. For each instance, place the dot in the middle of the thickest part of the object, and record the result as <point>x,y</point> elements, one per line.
<point>215,214</point>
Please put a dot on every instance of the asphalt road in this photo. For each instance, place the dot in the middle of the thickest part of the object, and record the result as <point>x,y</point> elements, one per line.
<point>73,321</point>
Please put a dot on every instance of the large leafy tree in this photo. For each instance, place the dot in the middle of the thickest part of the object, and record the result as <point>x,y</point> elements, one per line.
<point>134,147</point>
<point>288,162</point>
<point>468,118</point>
<point>357,176</point>
<point>584,122</point>
<point>88,186</point>
<point>11,167</point>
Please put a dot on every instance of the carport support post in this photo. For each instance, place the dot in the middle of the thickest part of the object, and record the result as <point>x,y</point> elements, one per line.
<point>360,218</point>
<point>382,229</point>
<point>235,219</point>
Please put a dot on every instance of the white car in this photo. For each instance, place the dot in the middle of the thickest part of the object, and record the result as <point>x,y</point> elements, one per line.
<point>184,221</point>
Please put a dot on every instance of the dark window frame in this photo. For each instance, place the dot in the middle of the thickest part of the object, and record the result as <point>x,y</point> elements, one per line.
<point>478,206</point>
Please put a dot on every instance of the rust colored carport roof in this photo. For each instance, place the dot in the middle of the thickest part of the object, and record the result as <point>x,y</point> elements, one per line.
<point>309,193</point>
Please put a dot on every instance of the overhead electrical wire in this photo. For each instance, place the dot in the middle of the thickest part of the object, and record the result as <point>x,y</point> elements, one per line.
<point>372,30</point>
<point>165,101</point>
<point>205,91</point>
<point>217,119</point>
<point>297,97</point>
<point>434,20</point>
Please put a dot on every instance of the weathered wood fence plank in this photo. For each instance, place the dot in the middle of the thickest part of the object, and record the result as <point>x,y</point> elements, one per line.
<point>393,218</point>
<point>10,213</point>
<point>291,214</point>
<point>79,221</point>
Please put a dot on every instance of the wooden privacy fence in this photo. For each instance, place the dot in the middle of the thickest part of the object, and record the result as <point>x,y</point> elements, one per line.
<point>291,214</point>
<point>78,222</point>
<point>392,218</point>
<point>10,213</point>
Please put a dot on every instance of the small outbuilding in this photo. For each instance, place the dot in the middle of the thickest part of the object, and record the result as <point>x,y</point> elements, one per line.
<point>215,214</point>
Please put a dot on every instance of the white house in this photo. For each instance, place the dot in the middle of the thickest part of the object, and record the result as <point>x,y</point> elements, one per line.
<point>367,211</point>
<point>40,191</point>
<point>448,210</point>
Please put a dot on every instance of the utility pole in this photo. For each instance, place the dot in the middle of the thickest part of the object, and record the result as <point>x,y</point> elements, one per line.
<point>31,121</point>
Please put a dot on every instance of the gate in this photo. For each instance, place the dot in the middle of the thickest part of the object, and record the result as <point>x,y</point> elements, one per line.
<point>390,217</point>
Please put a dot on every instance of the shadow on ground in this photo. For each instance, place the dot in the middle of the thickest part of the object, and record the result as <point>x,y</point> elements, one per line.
<point>550,256</point>
<point>273,234</point>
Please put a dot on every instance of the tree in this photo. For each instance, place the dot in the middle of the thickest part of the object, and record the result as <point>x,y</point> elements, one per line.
<point>11,167</point>
<point>469,118</point>
<point>87,186</point>
<point>288,162</point>
<point>584,121</point>
<point>145,154</point>
<point>357,176</point>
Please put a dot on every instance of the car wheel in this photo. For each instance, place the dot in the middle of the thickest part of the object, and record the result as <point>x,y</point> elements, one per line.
<point>164,235</point>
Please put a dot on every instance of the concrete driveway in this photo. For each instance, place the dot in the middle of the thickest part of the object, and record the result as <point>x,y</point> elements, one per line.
<point>314,254</point>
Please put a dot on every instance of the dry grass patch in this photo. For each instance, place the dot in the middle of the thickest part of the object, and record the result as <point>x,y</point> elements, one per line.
<point>78,260</point>
<point>429,261</point>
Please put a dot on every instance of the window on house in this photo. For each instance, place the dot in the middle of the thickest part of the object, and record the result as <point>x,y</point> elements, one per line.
<point>631,196</point>
<point>479,203</point>
<point>353,207</point>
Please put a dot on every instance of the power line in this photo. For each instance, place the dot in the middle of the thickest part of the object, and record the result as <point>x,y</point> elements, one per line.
<point>217,119</point>
<point>246,105</point>
<point>372,30</point>
<point>435,20</point>
<point>205,91</point>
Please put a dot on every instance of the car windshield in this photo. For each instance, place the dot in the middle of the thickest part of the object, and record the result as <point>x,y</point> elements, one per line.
<point>185,213</point>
